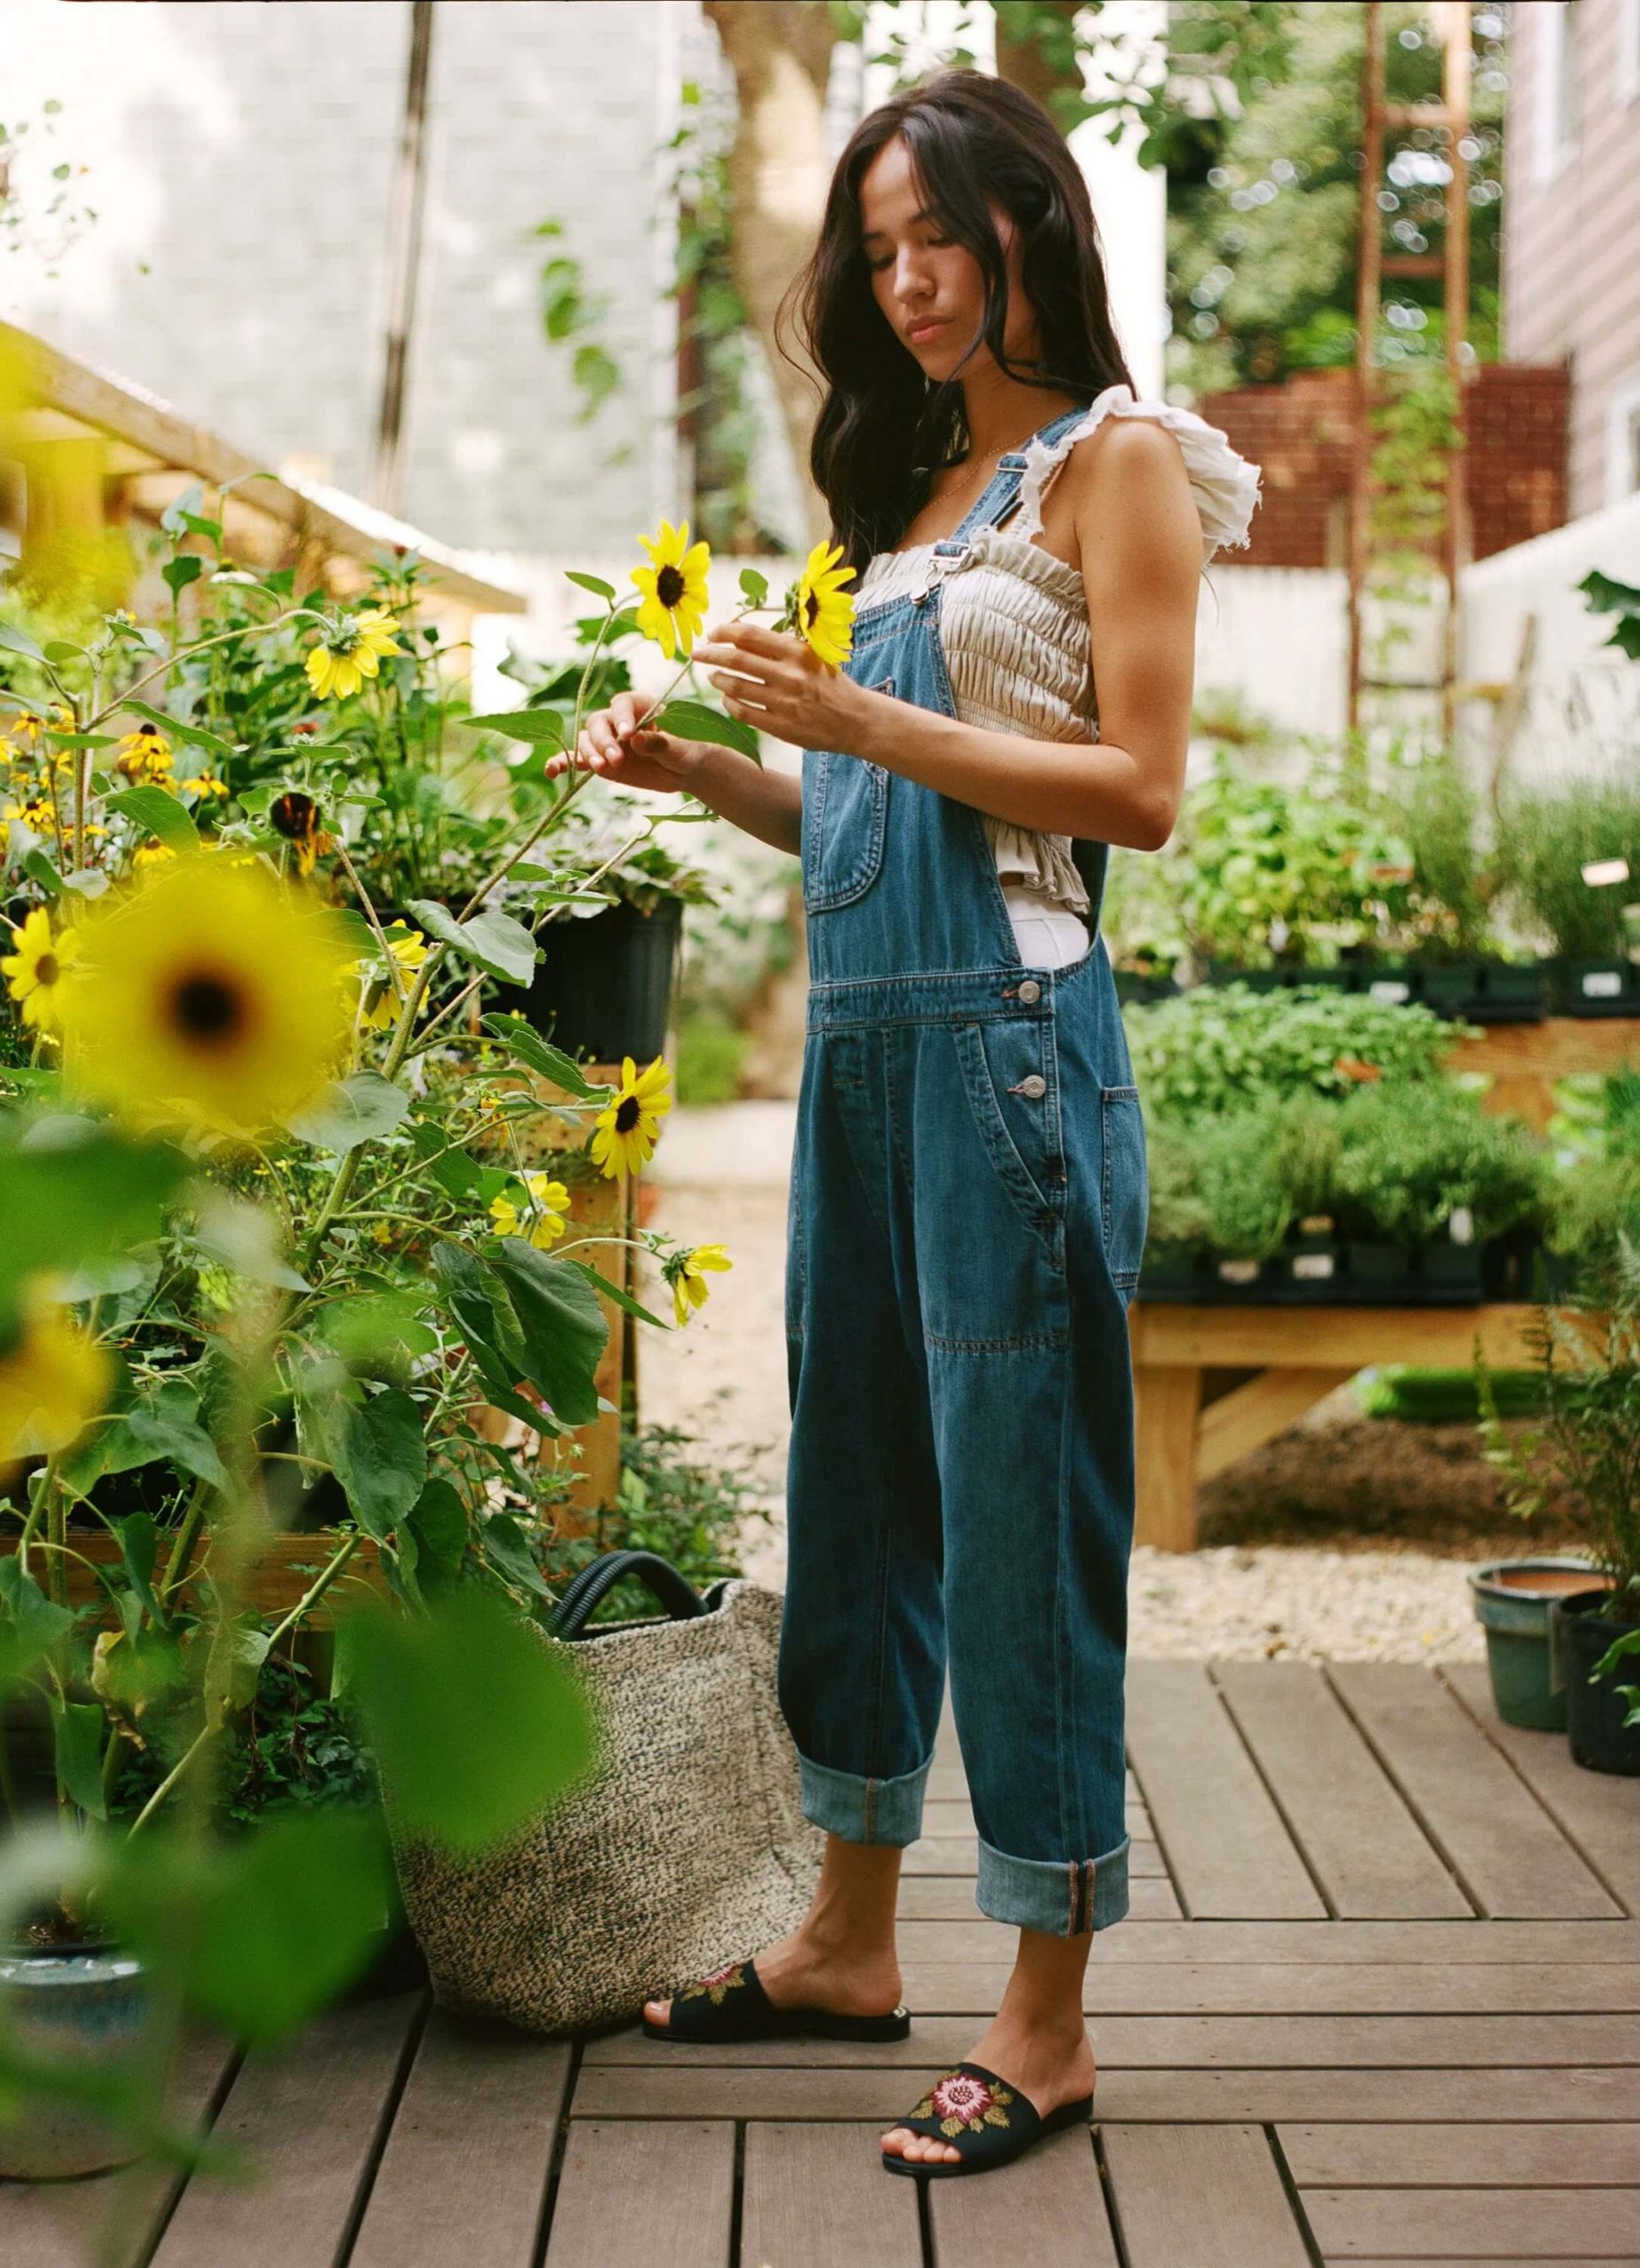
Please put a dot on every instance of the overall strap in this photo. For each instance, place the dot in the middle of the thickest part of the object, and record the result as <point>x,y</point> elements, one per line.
<point>1002,493</point>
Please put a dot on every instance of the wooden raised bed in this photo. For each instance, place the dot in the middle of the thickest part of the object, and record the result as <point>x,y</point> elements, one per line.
<point>1524,1061</point>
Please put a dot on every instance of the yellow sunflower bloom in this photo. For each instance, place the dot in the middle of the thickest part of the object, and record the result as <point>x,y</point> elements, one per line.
<point>54,1379</point>
<point>37,972</point>
<point>210,994</point>
<point>689,1287</point>
<point>382,1004</point>
<point>824,610</point>
<point>673,587</point>
<point>624,1132</point>
<point>145,756</point>
<point>542,1222</point>
<point>339,666</point>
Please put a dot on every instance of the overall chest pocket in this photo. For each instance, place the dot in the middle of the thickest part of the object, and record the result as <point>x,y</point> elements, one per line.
<point>845,823</point>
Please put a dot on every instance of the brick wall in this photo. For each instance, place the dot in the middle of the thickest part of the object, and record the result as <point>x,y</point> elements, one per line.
<point>1301,433</point>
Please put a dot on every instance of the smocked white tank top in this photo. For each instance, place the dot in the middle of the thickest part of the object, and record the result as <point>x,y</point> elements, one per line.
<point>1013,619</point>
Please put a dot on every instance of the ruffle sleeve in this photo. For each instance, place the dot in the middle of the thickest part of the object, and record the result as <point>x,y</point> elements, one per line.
<point>1225,483</point>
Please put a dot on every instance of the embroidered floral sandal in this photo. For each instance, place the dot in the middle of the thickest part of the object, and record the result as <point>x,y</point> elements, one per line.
<point>731,2004</point>
<point>990,2123</point>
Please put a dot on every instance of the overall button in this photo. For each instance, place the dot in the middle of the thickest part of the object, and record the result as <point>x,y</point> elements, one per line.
<point>1030,991</point>
<point>1035,1086</point>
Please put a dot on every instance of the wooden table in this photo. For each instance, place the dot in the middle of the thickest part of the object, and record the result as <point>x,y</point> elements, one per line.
<point>1524,1061</point>
<point>1213,1382</point>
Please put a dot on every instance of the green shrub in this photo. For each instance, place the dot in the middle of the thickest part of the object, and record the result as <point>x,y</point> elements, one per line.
<point>1221,1047</point>
<point>690,1513</point>
<point>1408,1157</point>
<point>1550,835</point>
<point>1242,1184</point>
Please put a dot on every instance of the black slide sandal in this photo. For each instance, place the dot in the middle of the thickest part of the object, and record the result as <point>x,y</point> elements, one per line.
<point>733,2005</point>
<point>990,2122</point>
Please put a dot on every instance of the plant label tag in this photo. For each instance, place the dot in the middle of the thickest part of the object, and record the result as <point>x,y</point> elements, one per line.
<point>1312,1267</point>
<point>1599,872</point>
<point>1602,983</point>
<point>1394,990</point>
<point>1238,1272</point>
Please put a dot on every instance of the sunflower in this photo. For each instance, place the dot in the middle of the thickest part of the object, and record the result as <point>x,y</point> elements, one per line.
<point>675,588</point>
<point>542,1222</point>
<point>339,664</point>
<point>823,611</point>
<point>624,1132</point>
<point>296,816</point>
<point>144,755</point>
<point>210,994</point>
<point>683,1273</point>
<point>54,1379</point>
<point>382,1003</point>
<point>36,973</point>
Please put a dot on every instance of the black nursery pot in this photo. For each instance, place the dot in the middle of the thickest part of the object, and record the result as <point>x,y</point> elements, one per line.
<point>1595,1710</point>
<point>603,987</point>
<point>1599,988</point>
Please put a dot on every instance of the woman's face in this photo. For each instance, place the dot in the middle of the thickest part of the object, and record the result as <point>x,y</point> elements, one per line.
<point>930,289</point>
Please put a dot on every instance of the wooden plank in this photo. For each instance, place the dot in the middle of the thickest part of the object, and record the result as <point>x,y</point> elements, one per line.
<point>1054,2198</point>
<point>1540,2224</point>
<point>1488,2096</point>
<point>1228,2042</point>
<point>111,2219</point>
<point>1599,1812</point>
<point>1211,2195</point>
<point>1510,1858</point>
<point>1583,2260</point>
<point>1167,1403</point>
<point>817,2197</point>
<point>1226,1844</point>
<point>310,2117</point>
<point>1440,2156</point>
<point>1277,1988</point>
<point>1250,1414</point>
<point>1166,1332</point>
<point>466,2164</point>
<point>964,1934</point>
<point>1372,1858</point>
<point>654,2196</point>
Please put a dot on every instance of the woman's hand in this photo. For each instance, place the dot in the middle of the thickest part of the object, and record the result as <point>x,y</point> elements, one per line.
<point>779,684</point>
<point>612,744</point>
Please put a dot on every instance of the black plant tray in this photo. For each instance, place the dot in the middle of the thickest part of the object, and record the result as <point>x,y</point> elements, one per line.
<point>1616,989</point>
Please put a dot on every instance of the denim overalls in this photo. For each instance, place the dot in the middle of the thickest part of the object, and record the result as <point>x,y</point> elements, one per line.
<point>968,1212</point>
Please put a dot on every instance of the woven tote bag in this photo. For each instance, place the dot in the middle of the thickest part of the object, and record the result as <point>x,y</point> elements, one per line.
<point>685,1849</point>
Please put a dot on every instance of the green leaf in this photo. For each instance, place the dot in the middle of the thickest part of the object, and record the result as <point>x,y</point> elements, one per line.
<point>163,1425</point>
<point>62,649</point>
<point>438,1520</point>
<point>614,1292</point>
<point>34,1623</point>
<point>754,587</point>
<point>76,1196</point>
<point>375,1326</point>
<point>593,583</point>
<point>492,941</point>
<point>542,727</point>
<point>77,1729</point>
<point>507,1550</point>
<point>562,1326</point>
<point>694,720</point>
<point>181,729</point>
<point>157,811</point>
<point>378,1454</point>
<point>530,1048</point>
<point>139,1541</point>
<point>39,868</point>
<point>470,1687</point>
<point>181,571</point>
<point>18,641</point>
<point>260,1933</point>
<point>363,1108</point>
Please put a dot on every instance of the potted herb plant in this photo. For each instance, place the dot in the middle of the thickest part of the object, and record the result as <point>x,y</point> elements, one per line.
<point>1573,856</point>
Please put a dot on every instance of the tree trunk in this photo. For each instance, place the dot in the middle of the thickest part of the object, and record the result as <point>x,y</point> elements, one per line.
<point>779,52</point>
<point>1023,58</point>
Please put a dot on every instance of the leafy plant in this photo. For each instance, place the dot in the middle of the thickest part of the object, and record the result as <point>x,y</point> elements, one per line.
<point>1552,834</point>
<point>1410,1159</point>
<point>1217,1047</point>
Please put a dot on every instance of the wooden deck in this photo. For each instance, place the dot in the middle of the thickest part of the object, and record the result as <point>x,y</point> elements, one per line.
<point>1378,2000</point>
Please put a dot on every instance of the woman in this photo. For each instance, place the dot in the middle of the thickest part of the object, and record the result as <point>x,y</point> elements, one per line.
<point>968,1192</point>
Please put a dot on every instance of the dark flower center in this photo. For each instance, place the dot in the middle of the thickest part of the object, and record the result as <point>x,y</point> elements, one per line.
<point>46,969</point>
<point>810,608</point>
<point>206,1009</point>
<point>668,586</point>
<point>627,1117</point>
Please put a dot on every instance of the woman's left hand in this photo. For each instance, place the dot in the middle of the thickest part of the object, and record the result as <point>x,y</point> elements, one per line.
<point>779,684</point>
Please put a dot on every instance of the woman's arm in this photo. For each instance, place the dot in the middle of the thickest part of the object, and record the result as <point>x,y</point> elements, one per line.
<point>768,804</point>
<point>1140,543</point>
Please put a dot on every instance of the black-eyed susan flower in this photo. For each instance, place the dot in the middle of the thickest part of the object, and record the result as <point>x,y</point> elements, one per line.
<point>342,660</point>
<point>675,588</point>
<point>210,995</point>
<point>541,1219</point>
<point>37,971</point>
<point>145,756</point>
<point>151,853</point>
<point>823,612</point>
<point>207,786</point>
<point>383,1000</point>
<point>685,1271</point>
<point>624,1132</point>
<point>54,1379</point>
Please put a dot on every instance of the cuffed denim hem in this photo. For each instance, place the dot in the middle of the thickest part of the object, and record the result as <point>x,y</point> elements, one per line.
<point>861,1810</point>
<point>1061,1900</point>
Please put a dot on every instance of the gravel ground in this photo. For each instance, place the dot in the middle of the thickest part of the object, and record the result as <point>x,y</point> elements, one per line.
<point>1346,1538</point>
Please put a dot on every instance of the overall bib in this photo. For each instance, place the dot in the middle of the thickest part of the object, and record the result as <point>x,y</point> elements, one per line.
<point>968,1214</point>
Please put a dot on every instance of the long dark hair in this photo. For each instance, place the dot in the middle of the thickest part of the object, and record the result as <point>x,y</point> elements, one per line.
<point>883,430</point>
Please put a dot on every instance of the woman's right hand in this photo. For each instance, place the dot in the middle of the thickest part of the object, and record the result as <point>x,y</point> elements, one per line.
<point>613,744</point>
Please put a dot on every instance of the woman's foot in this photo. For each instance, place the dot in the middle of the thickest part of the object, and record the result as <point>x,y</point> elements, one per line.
<point>803,1971</point>
<point>1049,2066</point>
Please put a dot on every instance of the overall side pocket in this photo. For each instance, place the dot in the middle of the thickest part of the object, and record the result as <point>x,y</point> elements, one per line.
<point>1009,1074</point>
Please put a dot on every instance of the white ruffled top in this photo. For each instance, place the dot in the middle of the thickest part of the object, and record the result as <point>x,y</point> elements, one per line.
<point>1013,621</point>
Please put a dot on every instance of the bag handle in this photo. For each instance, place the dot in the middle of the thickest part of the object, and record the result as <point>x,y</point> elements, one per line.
<point>580,1602</point>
